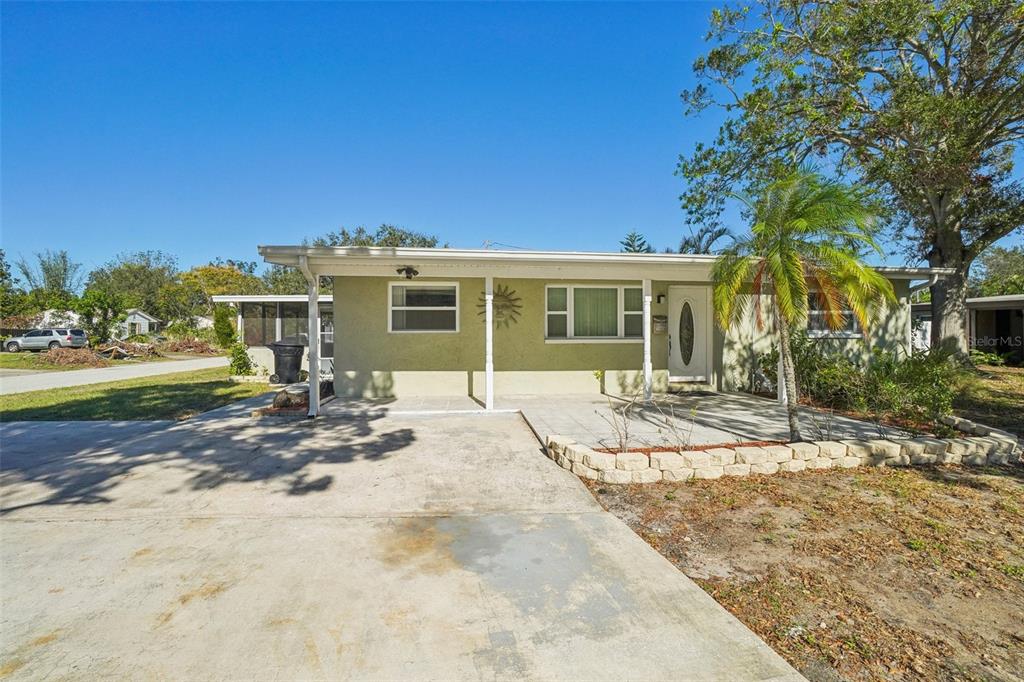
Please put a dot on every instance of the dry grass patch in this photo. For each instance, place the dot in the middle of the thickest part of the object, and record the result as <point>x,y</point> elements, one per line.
<point>994,396</point>
<point>855,574</point>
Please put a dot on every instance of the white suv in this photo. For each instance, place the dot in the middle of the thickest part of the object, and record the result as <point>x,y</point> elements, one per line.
<point>46,339</point>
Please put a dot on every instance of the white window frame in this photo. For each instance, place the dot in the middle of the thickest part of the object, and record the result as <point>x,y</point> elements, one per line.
<point>423,284</point>
<point>856,333</point>
<point>569,311</point>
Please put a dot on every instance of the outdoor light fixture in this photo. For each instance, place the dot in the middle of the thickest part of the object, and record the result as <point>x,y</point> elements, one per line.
<point>408,270</point>
<point>661,298</point>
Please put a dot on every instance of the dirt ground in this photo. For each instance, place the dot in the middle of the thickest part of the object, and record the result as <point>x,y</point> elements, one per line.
<point>894,574</point>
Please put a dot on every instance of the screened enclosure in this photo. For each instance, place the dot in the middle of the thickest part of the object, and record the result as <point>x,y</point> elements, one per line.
<point>265,323</point>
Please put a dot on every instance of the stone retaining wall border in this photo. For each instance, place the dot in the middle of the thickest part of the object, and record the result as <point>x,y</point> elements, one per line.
<point>980,446</point>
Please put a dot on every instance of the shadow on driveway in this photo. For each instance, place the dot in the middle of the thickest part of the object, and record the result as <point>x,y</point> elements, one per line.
<point>83,463</point>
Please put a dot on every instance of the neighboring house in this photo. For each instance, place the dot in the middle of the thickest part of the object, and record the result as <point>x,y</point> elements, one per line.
<point>16,325</point>
<point>995,324</point>
<point>136,322</point>
<point>411,321</point>
<point>58,318</point>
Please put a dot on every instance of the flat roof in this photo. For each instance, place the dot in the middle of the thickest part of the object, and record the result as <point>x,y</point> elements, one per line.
<point>1007,298</point>
<point>983,302</point>
<point>356,260</point>
<point>268,298</point>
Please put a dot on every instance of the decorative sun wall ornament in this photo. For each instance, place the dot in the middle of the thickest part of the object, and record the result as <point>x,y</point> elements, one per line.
<point>506,306</point>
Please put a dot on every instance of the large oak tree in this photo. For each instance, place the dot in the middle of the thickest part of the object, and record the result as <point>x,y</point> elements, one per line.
<point>921,101</point>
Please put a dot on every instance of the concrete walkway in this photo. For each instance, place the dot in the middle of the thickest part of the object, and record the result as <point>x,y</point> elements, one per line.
<point>38,381</point>
<point>700,418</point>
<point>367,548</point>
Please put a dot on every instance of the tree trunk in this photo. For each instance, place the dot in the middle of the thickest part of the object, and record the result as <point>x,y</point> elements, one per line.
<point>789,376</point>
<point>949,297</point>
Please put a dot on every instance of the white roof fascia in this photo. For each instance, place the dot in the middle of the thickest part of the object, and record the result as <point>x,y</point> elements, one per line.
<point>268,298</point>
<point>382,262</point>
<point>1006,298</point>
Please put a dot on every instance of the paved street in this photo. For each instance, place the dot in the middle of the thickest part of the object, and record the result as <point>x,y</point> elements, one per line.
<point>38,381</point>
<point>373,547</point>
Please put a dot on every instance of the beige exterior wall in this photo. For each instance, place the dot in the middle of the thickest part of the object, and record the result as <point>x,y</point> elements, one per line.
<point>369,361</point>
<point>738,348</point>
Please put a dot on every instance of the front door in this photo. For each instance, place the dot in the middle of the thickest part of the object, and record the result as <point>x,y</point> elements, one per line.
<point>689,316</point>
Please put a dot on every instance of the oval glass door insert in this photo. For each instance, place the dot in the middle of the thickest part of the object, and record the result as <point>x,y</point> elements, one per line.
<point>686,333</point>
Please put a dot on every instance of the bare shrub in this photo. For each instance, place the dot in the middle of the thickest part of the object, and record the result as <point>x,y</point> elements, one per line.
<point>620,420</point>
<point>675,428</point>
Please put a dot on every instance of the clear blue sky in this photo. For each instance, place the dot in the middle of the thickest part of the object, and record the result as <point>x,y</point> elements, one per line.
<point>206,129</point>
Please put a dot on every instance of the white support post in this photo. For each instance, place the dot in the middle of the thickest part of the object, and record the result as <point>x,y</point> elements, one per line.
<point>648,367</point>
<point>277,322</point>
<point>313,285</point>
<point>314,348</point>
<point>489,342</point>
<point>238,324</point>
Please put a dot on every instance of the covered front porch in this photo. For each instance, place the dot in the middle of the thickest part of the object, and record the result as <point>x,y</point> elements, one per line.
<point>677,420</point>
<point>490,324</point>
<point>485,324</point>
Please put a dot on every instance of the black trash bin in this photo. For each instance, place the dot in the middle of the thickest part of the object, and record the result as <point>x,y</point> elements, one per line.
<point>287,361</point>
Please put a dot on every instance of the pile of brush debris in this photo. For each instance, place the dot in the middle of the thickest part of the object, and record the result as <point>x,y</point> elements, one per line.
<point>124,350</point>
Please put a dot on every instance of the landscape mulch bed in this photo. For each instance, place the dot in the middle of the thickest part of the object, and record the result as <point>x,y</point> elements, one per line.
<point>855,574</point>
<point>887,421</point>
<point>692,448</point>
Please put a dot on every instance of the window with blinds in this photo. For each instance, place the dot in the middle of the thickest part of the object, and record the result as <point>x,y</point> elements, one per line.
<point>593,312</point>
<point>423,307</point>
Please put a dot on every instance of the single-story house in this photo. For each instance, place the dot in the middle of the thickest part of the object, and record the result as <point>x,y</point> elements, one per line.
<point>136,322</point>
<point>994,324</point>
<point>418,321</point>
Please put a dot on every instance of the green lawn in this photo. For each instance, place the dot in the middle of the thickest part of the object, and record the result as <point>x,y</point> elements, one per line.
<point>30,360</point>
<point>170,396</point>
<point>27,361</point>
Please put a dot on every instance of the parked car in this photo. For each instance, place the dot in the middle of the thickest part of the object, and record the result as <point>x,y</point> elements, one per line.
<point>46,339</point>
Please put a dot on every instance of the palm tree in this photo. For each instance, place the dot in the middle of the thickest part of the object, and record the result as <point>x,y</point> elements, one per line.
<point>807,234</point>
<point>703,240</point>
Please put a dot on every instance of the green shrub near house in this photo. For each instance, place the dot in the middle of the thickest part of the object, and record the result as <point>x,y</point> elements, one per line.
<point>223,328</point>
<point>241,363</point>
<point>892,385</point>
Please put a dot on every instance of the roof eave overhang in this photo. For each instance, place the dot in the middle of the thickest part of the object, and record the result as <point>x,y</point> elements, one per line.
<point>365,261</point>
<point>379,261</point>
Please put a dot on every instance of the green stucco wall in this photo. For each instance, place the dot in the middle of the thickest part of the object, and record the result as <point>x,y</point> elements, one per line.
<point>369,361</point>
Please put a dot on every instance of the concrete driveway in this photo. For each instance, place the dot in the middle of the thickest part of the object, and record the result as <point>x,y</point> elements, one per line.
<point>365,548</point>
<point>38,381</point>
